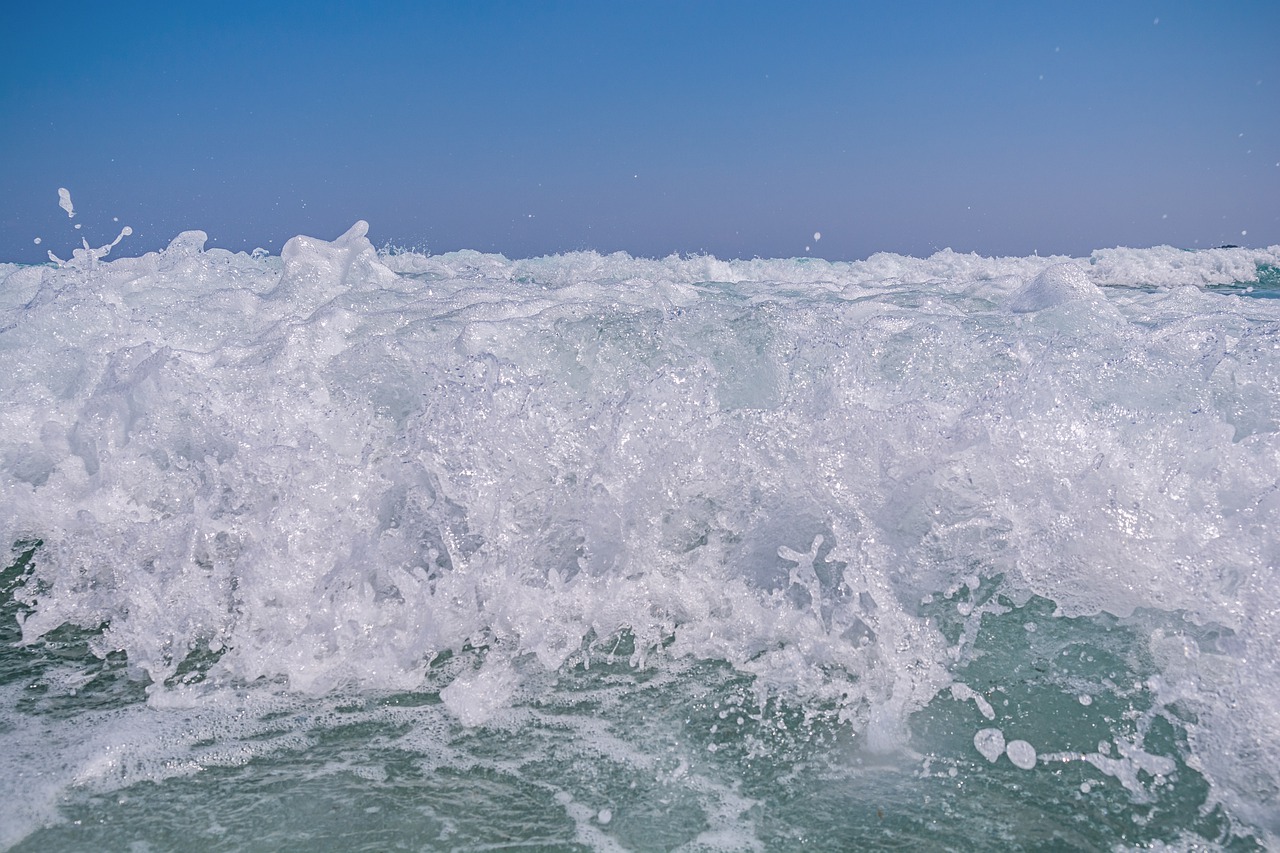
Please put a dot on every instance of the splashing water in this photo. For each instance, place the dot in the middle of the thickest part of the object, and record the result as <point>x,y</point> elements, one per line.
<point>64,202</point>
<point>641,553</point>
<point>85,254</point>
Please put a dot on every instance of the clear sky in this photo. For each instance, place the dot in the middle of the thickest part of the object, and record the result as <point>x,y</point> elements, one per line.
<point>732,128</point>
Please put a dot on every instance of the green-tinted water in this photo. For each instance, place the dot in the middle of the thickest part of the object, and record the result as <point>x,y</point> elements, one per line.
<point>681,754</point>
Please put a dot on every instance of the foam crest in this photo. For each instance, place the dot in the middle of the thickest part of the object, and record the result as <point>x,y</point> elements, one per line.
<point>332,469</point>
<point>1057,285</point>
<point>1166,266</point>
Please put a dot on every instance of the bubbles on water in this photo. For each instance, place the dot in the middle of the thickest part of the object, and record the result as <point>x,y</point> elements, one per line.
<point>475,697</point>
<point>990,743</point>
<point>963,693</point>
<point>1022,754</point>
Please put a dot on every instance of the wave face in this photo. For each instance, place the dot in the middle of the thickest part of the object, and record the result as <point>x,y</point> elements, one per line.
<point>883,496</point>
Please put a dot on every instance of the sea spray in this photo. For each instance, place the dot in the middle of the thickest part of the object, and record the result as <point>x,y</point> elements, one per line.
<point>824,496</point>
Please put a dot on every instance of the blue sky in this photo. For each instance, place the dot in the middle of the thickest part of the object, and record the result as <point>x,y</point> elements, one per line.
<point>732,128</point>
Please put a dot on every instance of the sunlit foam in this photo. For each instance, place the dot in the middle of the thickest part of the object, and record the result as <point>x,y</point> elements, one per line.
<point>327,470</point>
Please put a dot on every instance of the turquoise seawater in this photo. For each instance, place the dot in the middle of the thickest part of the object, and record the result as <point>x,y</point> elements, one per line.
<point>679,755</point>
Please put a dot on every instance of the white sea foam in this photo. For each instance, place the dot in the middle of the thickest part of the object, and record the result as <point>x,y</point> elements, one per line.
<point>990,743</point>
<point>1021,753</point>
<point>333,466</point>
<point>1057,285</point>
<point>1165,266</point>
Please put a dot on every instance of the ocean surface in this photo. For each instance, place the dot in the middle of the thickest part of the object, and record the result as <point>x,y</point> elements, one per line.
<point>347,549</point>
